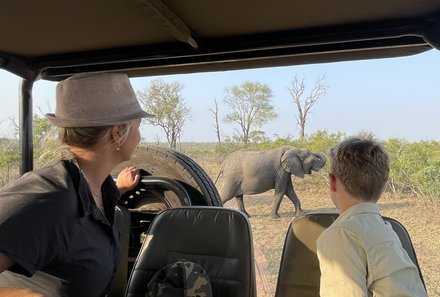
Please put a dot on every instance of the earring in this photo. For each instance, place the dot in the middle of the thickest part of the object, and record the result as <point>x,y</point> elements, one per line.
<point>118,148</point>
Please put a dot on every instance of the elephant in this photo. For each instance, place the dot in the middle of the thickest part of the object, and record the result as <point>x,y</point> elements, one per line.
<point>248,172</point>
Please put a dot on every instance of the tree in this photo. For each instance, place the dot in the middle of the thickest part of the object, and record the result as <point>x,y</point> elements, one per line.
<point>45,147</point>
<point>41,128</point>
<point>251,108</point>
<point>304,105</point>
<point>165,101</point>
<point>216,122</point>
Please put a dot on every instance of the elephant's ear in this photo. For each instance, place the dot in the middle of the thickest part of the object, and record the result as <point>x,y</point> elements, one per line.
<point>292,163</point>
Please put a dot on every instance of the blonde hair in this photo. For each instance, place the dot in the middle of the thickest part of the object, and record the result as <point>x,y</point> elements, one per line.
<point>362,165</point>
<point>86,137</point>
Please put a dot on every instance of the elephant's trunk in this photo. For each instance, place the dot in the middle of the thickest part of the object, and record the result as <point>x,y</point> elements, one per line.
<point>319,163</point>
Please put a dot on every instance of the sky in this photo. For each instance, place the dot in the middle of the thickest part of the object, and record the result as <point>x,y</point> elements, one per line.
<point>391,98</point>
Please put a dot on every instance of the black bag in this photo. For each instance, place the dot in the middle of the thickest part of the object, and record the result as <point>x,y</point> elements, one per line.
<point>180,279</point>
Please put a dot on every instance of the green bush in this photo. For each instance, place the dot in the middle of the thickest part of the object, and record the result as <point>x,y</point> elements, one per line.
<point>415,167</point>
<point>9,158</point>
<point>428,180</point>
<point>320,142</point>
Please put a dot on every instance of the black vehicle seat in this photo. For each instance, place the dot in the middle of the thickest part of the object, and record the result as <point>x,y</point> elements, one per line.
<point>219,239</point>
<point>299,273</point>
<point>123,221</point>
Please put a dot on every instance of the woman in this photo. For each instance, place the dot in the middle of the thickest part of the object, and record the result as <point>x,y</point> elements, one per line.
<point>57,236</point>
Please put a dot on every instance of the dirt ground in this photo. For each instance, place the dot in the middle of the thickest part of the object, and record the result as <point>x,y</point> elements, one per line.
<point>421,219</point>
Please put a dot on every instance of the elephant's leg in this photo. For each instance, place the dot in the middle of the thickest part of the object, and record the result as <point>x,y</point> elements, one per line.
<point>225,198</point>
<point>290,193</point>
<point>240,203</point>
<point>276,204</point>
<point>280,188</point>
<point>227,192</point>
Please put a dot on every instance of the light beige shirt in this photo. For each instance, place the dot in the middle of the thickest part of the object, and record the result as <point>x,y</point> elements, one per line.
<point>360,255</point>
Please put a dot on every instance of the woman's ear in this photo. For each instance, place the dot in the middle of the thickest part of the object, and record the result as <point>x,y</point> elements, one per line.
<point>115,136</point>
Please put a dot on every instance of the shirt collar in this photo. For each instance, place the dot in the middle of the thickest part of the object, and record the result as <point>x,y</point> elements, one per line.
<point>363,207</point>
<point>110,192</point>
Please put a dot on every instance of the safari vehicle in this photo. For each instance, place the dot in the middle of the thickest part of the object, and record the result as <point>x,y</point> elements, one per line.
<point>52,40</point>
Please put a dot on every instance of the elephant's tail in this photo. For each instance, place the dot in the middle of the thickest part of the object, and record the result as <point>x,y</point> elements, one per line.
<point>218,175</point>
<point>222,166</point>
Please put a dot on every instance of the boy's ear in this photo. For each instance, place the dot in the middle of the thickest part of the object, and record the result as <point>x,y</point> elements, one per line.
<point>332,182</point>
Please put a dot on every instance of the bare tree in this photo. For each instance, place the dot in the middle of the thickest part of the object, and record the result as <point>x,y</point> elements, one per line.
<point>216,121</point>
<point>251,108</point>
<point>304,104</point>
<point>14,127</point>
<point>165,101</point>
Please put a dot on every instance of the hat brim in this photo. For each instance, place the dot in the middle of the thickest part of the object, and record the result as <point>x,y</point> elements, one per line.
<point>78,123</point>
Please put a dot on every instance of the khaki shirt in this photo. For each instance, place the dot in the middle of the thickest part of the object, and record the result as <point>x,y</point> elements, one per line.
<point>360,255</point>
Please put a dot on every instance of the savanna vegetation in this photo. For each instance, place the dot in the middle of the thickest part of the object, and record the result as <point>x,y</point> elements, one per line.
<point>412,196</point>
<point>415,166</point>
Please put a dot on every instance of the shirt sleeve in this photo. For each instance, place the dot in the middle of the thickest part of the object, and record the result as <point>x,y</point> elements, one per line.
<point>343,264</point>
<point>34,222</point>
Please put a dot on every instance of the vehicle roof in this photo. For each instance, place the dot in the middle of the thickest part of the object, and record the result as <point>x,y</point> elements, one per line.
<point>53,39</point>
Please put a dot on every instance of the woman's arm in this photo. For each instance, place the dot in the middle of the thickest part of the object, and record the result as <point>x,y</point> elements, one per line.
<point>13,292</point>
<point>5,263</point>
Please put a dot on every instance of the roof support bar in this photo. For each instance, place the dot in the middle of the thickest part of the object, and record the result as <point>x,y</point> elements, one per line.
<point>25,126</point>
<point>432,36</point>
<point>168,19</point>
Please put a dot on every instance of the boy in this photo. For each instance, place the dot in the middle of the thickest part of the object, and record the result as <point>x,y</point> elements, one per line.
<point>360,254</point>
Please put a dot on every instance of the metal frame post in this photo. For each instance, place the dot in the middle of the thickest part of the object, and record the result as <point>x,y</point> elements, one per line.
<point>25,126</point>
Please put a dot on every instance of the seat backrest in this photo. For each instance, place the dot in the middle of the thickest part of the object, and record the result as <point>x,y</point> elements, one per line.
<point>299,273</point>
<point>406,242</point>
<point>219,239</point>
<point>123,221</point>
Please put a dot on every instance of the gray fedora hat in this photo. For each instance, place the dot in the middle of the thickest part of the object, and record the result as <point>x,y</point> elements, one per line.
<point>94,100</point>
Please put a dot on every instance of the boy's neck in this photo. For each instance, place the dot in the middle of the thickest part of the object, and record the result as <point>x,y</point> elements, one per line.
<point>344,199</point>
<point>347,202</point>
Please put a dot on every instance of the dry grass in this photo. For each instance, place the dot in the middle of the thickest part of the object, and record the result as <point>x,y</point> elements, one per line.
<point>421,220</point>
<point>419,217</point>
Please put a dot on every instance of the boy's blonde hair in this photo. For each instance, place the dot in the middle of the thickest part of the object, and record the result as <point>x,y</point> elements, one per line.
<point>362,165</point>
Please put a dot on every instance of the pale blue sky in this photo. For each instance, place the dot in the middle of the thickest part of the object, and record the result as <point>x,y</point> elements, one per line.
<point>396,97</point>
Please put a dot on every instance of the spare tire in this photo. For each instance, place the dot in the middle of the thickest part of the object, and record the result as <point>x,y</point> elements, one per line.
<point>168,163</point>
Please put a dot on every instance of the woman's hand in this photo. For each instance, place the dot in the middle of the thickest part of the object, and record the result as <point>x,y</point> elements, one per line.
<point>127,179</point>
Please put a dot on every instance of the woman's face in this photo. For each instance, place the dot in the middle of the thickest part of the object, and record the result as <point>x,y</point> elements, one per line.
<point>132,141</point>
